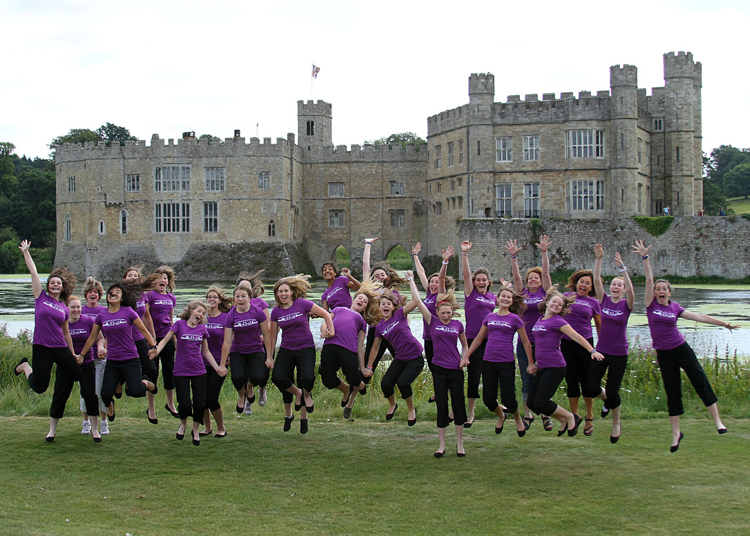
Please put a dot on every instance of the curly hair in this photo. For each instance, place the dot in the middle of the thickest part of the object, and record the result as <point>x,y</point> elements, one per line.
<point>576,276</point>
<point>68,280</point>
<point>484,271</point>
<point>333,265</point>
<point>518,306</point>
<point>192,306</point>
<point>450,283</point>
<point>225,302</point>
<point>92,284</point>
<point>154,276</point>
<point>252,282</point>
<point>371,313</point>
<point>552,293</point>
<point>449,299</point>
<point>298,284</point>
<point>392,279</point>
<point>131,293</point>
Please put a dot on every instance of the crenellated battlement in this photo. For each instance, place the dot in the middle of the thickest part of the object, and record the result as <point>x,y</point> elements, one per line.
<point>623,75</point>
<point>314,108</point>
<point>680,65</point>
<point>482,83</point>
<point>366,153</point>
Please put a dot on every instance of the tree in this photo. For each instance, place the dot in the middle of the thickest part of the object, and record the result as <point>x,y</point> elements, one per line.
<point>113,133</point>
<point>32,208</point>
<point>76,135</point>
<point>8,180</point>
<point>713,199</point>
<point>722,160</point>
<point>737,181</point>
<point>401,138</point>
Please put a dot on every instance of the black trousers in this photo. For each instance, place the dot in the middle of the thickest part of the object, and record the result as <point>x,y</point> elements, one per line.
<point>384,345</point>
<point>185,407</point>
<point>475,369</point>
<point>670,363</point>
<point>334,358</point>
<point>283,371</point>
<point>214,383</point>
<point>617,365</point>
<point>167,363</point>
<point>127,372</point>
<point>42,359</point>
<point>504,375</point>
<point>429,352</point>
<point>149,367</point>
<point>578,361</point>
<point>523,364</point>
<point>401,374</point>
<point>64,386</point>
<point>543,387</point>
<point>248,368</point>
<point>444,381</point>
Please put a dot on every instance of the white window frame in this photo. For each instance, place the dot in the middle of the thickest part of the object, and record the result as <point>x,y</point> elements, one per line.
<point>398,218</point>
<point>133,183</point>
<point>172,179</point>
<point>587,143</point>
<point>584,195</point>
<point>210,217</point>
<point>335,189</point>
<point>71,185</point>
<point>530,148</point>
<point>531,199</point>
<point>171,217</point>
<point>438,157</point>
<point>450,154</point>
<point>504,199</point>
<point>264,180</point>
<point>215,179</point>
<point>336,218</point>
<point>503,149</point>
<point>396,187</point>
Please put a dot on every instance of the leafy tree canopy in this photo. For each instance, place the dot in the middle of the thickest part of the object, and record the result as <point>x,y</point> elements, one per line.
<point>737,181</point>
<point>112,133</point>
<point>401,138</point>
<point>722,160</point>
<point>713,199</point>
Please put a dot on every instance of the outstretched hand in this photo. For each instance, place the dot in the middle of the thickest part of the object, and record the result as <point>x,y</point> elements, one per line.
<point>598,251</point>
<point>465,246</point>
<point>512,247</point>
<point>371,239</point>
<point>447,253</point>
<point>416,248</point>
<point>544,243</point>
<point>25,245</point>
<point>640,248</point>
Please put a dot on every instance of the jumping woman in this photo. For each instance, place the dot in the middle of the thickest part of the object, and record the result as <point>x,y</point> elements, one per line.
<point>94,292</point>
<point>218,307</point>
<point>339,282</point>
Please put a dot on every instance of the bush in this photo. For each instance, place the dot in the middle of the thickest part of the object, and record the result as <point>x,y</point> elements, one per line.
<point>656,225</point>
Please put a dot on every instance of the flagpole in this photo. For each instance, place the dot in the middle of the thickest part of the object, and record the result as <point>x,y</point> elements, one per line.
<point>312,95</point>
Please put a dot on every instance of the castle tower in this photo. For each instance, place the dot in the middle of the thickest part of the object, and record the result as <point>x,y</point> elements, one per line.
<point>682,142</point>
<point>623,81</point>
<point>314,122</point>
<point>481,88</point>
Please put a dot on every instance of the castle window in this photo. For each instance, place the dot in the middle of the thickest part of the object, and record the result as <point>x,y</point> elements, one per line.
<point>271,229</point>
<point>102,228</point>
<point>503,200</point>
<point>311,128</point>
<point>622,142</point>
<point>439,187</point>
<point>264,180</point>
<point>132,183</point>
<point>450,154</point>
<point>640,141</point>
<point>504,150</point>
<point>438,157</point>
<point>67,229</point>
<point>583,195</point>
<point>335,218</point>
<point>123,222</point>
<point>584,144</point>
<point>460,151</point>
<point>640,194</point>
<point>531,200</point>
<point>211,217</point>
<point>335,189</point>
<point>678,153</point>
<point>658,125</point>
<point>439,208</point>
<point>453,185</point>
<point>460,182</point>
<point>172,217</point>
<point>71,185</point>
<point>531,148</point>
<point>215,179</point>
<point>648,154</point>
<point>398,218</point>
<point>460,202</point>
<point>479,147</point>
<point>396,187</point>
<point>172,179</point>
<point>453,203</point>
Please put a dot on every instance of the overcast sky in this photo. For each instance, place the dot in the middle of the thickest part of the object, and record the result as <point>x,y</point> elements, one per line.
<point>170,66</point>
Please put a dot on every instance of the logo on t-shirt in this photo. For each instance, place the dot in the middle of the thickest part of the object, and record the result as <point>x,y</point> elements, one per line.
<point>215,326</point>
<point>162,302</point>
<point>664,314</point>
<point>246,323</point>
<point>537,327</point>
<point>78,331</point>
<point>485,300</point>
<point>581,302</point>
<point>446,329</point>
<point>532,301</point>
<point>191,337</point>
<point>386,330</point>
<point>612,312</point>
<point>54,306</point>
<point>114,322</point>
<point>290,316</point>
<point>500,323</point>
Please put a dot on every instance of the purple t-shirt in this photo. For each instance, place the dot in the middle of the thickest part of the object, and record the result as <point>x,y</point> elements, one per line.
<point>477,307</point>
<point>396,331</point>
<point>260,303</point>
<point>347,324</point>
<point>188,356</point>
<point>80,332</point>
<point>92,311</point>
<point>430,302</point>
<point>662,322</point>
<point>161,307</point>
<point>117,329</point>
<point>445,343</point>
<point>49,315</point>
<point>140,308</point>
<point>500,332</point>
<point>247,336</point>
<point>337,295</point>
<point>547,336</point>
<point>294,325</point>
<point>532,314</point>
<point>614,327</point>
<point>215,326</point>
<point>581,312</point>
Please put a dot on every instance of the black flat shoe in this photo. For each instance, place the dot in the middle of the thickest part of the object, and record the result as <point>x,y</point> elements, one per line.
<point>722,430</point>
<point>111,418</point>
<point>468,424</point>
<point>179,436</point>
<point>98,439</point>
<point>303,426</point>
<point>152,421</point>
<point>311,407</point>
<point>605,412</point>
<point>460,454</point>
<point>527,421</point>
<point>205,433</point>
<point>49,439</point>
<point>561,431</point>
<point>431,400</point>
<point>389,416</point>
<point>239,409</point>
<point>288,423</point>
<point>500,429</point>
<point>439,454</point>
<point>614,439</point>
<point>196,442</point>
<point>174,413</point>
<point>412,422</point>
<point>15,370</point>
<point>572,432</point>
<point>588,430</point>
<point>363,391</point>
<point>521,433</point>
<point>674,448</point>
<point>345,401</point>
<point>221,435</point>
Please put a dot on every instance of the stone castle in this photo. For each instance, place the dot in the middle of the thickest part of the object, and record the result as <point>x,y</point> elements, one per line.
<point>198,204</point>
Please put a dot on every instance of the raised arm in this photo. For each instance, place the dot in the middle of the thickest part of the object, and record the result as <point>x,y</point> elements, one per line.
<point>543,245</point>
<point>353,283</point>
<point>598,286</point>
<point>366,257</point>
<point>447,254</point>
<point>513,249</point>
<point>415,297</point>
<point>628,283</point>
<point>641,249</point>
<point>419,268</point>
<point>36,283</point>
<point>698,317</point>
<point>468,284</point>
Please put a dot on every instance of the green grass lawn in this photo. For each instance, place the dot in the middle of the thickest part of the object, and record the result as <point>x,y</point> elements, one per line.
<point>740,205</point>
<point>369,476</point>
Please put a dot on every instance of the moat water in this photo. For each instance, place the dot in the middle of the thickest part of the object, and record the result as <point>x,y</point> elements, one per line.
<point>727,302</point>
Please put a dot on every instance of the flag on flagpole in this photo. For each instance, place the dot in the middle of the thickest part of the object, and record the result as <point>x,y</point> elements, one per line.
<point>315,71</point>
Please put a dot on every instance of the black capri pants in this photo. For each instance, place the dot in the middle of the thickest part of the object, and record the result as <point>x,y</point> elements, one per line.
<point>429,352</point>
<point>617,365</point>
<point>523,364</point>
<point>149,367</point>
<point>334,358</point>
<point>186,407</point>
<point>543,387</point>
<point>503,374</point>
<point>214,383</point>
<point>475,369</point>
<point>283,371</point>
<point>64,386</point>
<point>127,372</point>
<point>248,368</point>
<point>167,363</point>
<point>449,380</point>
<point>670,363</point>
<point>42,359</point>
<point>401,374</point>
<point>578,362</point>
<point>384,345</point>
